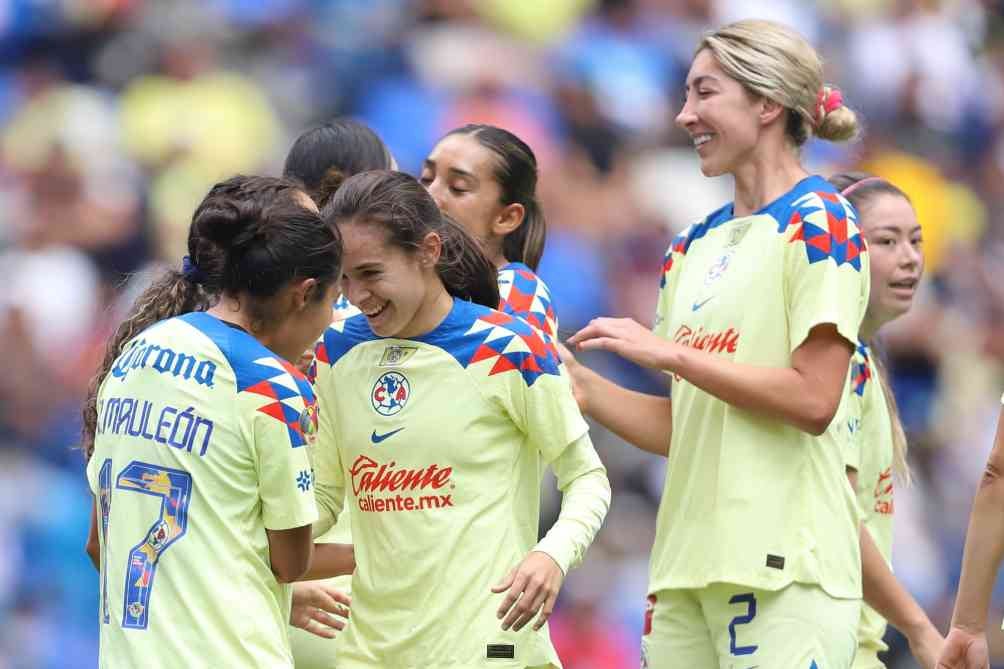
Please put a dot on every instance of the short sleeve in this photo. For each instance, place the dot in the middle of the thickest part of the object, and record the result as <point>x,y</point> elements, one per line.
<point>826,275</point>
<point>285,477</point>
<point>672,262</point>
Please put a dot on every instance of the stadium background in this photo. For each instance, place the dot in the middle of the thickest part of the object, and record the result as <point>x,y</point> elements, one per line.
<point>116,116</point>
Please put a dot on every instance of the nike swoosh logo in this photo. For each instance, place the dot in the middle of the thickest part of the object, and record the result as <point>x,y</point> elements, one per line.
<point>377,438</point>
<point>698,305</point>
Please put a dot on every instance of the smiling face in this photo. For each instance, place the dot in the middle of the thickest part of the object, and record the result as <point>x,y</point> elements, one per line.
<point>890,227</point>
<point>390,285</point>
<point>460,176</point>
<point>722,118</point>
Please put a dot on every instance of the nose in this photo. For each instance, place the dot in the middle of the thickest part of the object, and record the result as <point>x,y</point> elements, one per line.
<point>354,290</point>
<point>438,192</point>
<point>686,117</point>
<point>911,256</point>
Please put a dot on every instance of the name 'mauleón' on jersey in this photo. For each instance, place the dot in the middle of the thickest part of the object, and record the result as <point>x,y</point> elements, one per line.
<point>200,447</point>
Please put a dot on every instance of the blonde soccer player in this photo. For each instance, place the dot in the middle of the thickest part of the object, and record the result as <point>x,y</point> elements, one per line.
<point>756,559</point>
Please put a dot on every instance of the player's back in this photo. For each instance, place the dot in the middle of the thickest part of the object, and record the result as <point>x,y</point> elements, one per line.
<point>196,453</point>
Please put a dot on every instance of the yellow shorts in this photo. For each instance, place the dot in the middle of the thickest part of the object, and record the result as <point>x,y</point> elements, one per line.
<point>738,627</point>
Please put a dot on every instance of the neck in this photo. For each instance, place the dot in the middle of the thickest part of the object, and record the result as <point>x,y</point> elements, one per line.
<point>764,178</point>
<point>431,313</point>
<point>233,310</point>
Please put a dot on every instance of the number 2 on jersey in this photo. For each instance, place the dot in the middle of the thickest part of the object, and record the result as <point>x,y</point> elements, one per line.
<point>174,488</point>
<point>749,599</point>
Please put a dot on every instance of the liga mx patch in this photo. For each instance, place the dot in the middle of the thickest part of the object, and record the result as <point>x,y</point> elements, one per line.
<point>775,561</point>
<point>501,651</point>
<point>396,355</point>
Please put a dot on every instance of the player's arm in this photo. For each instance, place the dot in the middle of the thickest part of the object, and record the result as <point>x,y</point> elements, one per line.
<point>643,420</point>
<point>884,593</point>
<point>93,546</point>
<point>331,560</point>
<point>290,552</point>
<point>981,559</point>
<point>533,585</point>
<point>805,395</point>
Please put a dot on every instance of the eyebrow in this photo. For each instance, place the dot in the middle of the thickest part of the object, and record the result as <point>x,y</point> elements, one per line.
<point>894,229</point>
<point>366,266</point>
<point>454,171</point>
<point>698,80</point>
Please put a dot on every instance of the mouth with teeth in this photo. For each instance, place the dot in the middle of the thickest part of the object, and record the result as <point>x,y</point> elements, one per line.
<point>701,139</point>
<point>374,312</point>
<point>904,287</point>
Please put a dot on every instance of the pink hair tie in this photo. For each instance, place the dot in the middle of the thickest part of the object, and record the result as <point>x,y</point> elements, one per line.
<point>828,100</point>
<point>857,184</point>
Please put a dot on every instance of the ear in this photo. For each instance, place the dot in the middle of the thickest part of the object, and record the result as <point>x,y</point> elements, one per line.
<point>303,293</point>
<point>770,110</point>
<point>510,218</point>
<point>430,249</point>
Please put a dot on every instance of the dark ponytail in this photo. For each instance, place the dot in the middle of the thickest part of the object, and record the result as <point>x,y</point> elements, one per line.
<point>399,203</point>
<point>249,237</point>
<point>323,157</point>
<point>516,174</point>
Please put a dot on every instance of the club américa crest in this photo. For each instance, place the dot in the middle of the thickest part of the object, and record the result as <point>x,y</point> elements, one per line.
<point>390,393</point>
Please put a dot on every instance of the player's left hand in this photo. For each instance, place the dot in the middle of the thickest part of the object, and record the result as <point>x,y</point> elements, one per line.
<point>625,337</point>
<point>533,586</point>
<point>319,608</point>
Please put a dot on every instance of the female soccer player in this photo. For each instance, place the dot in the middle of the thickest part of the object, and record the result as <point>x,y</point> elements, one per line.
<point>756,558</point>
<point>203,492</point>
<point>966,644</point>
<point>457,394</point>
<point>877,452</point>
<point>485,178</point>
<point>321,159</point>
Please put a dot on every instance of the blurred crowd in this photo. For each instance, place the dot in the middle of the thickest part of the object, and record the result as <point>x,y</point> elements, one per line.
<point>117,115</point>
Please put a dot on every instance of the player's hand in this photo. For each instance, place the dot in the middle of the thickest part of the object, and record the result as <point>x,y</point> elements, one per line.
<point>926,647</point>
<point>964,650</point>
<point>532,586</point>
<point>319,608</point>
<point>625,337</point>
<point>576,375</point>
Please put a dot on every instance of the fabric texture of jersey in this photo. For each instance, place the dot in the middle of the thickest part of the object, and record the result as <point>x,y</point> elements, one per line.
<point>748,499</point>
<point>199,449</point>
<point>430,435</point>
<point>872,457</point>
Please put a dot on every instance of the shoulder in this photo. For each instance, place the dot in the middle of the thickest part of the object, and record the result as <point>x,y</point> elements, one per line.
<point>691,234</point>
<point>272,384</point>
<point>523,293</point>
<point>490,342</point>
<point>816,218</point>
<point>341,337</point>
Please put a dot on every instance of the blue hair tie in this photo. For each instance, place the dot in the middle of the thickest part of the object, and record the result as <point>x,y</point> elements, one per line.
<point>191,272</point>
